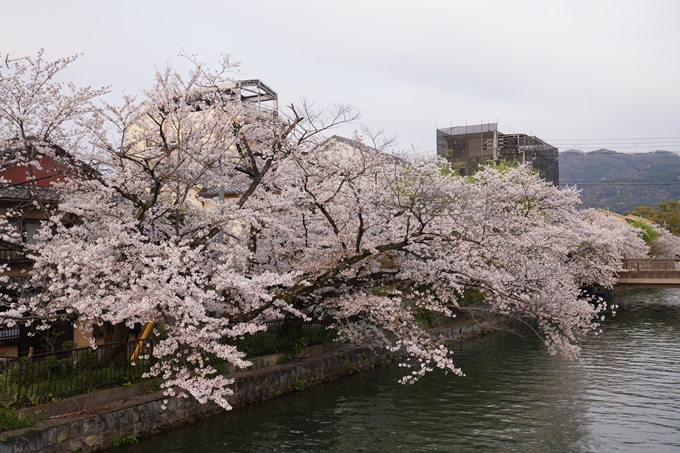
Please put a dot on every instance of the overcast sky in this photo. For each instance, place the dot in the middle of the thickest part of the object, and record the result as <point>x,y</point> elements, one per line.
<point>577,70</point>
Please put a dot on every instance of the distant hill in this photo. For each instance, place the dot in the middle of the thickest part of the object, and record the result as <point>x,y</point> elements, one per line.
<point>620,182</point>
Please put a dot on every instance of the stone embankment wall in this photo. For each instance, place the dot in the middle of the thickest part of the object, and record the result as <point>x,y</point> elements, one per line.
<point>93,422</point>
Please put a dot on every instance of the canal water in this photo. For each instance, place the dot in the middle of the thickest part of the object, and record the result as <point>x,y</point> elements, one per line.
<point>623,397</point>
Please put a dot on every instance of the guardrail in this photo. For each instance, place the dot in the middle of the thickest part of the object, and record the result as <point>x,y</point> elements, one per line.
<point>651,264</point>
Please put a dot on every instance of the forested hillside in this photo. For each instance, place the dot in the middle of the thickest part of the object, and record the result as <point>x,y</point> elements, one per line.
<point>621,182</point>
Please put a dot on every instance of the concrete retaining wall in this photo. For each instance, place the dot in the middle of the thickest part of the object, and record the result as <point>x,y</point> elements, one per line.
<point>92,423</point>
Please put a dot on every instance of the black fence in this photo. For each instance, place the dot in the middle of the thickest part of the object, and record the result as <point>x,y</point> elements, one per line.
<point>272,341</point>
<point>44,378</point>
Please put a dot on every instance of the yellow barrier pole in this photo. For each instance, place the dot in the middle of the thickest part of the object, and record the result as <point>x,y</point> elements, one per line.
<point>140,344</point>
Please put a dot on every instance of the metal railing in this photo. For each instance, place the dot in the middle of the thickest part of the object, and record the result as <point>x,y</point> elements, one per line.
<point>651,264</point>
<point>11,255</point>
<point>140,358</point>
<point>12,333</point>
<point>46,377</point>
<point>269,341</point>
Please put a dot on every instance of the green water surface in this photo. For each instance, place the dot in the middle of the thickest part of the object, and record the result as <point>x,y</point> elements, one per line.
<point>623,397</point>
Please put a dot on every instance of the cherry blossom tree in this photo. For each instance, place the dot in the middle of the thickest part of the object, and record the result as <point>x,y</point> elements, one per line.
<point>356,238</point>
<point>40,117</point>
<point>667,245</point>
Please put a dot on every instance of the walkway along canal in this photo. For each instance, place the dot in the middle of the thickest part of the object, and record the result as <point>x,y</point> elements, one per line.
<point>623,397</point>
<point>101,419</point>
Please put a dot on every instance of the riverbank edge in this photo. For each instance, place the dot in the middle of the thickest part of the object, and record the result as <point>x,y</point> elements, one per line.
<point>112,417</point>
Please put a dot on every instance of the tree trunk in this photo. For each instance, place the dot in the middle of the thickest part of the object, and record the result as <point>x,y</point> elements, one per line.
<point>114,333</point>
<point>290,339</point>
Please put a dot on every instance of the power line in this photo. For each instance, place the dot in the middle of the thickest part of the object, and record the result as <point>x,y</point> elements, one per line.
<point>619,143</point>
<point>624,146</point>
<point>625,143</point>
<point>664,182</point>
<point>609,139</point>
<point>625,180</point>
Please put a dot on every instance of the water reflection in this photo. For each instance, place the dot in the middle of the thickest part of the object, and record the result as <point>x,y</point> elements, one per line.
<point>624,396</point>
<point>634,375</point>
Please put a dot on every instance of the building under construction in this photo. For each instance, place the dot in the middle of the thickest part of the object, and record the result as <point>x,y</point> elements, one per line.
<point>466,147</point>
<point>253,92</point>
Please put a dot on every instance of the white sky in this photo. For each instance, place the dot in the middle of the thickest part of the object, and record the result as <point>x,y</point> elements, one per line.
<point>568,69</point>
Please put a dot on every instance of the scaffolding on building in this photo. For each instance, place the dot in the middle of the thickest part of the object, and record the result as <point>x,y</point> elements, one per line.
<point>254,92</point>
<point>468,147</point>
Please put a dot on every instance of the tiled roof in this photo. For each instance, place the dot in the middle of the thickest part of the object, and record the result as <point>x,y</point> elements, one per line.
<point>234,189</point>
<point>26,193</point>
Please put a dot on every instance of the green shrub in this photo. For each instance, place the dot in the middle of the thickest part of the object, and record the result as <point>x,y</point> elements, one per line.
<point>88,360</point>
<point>9,421</point>
<point>292,344</point>
<point>426,319</point>
<point>270,341</point>
<point>160,332</point>
<point>298,385</point>
<point>125,440</point>
<point>648,234</point>
<point>52,377</point>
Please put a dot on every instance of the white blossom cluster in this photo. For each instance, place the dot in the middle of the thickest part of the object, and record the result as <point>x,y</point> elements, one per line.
<point>356,240</point>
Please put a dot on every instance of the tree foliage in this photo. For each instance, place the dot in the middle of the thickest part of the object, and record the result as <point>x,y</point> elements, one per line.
<point>667,215</point>
<point>647,232</point>
<point>358,239</point>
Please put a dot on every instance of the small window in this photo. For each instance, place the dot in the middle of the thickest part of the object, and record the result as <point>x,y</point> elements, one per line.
<point>30,229</point>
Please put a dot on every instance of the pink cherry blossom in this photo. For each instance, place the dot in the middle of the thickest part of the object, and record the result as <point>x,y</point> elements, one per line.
<point>355,237</point>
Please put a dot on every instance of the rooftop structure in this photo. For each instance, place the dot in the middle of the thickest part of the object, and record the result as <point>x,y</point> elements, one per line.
<point>253,92</point>
<point>467,147</point>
